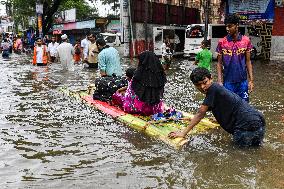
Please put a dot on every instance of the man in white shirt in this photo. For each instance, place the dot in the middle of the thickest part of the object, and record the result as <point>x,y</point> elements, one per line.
<point>40,57</point>
<point>65,52</point>
<point>85,46</point>
<point>51,49</point>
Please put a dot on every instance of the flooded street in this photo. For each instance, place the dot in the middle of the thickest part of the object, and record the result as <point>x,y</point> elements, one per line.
<point>48,140</point>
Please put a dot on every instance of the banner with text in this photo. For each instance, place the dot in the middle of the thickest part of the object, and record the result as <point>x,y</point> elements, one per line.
<point>251,10</point>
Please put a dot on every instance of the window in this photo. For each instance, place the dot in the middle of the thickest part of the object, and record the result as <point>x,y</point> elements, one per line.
<point>219,31</point>
<point>195,32</point>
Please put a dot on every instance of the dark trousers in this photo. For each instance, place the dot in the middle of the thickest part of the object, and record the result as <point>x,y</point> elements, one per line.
<point>250,137</point>
<point>5,54</point>
<point>40,64</point>
<point>92,65</point>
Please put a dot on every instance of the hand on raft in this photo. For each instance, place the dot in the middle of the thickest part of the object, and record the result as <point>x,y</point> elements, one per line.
<point>176,134</point>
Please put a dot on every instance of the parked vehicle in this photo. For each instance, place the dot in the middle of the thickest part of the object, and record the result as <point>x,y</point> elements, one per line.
<point>175,35</point>
<point>194,35</point>
<point>112,39</point>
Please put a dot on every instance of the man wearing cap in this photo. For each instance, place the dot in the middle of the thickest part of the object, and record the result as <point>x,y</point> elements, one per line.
<point>65,53</point>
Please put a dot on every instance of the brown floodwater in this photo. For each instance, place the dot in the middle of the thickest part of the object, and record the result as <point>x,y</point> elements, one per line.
<point>48,140</point>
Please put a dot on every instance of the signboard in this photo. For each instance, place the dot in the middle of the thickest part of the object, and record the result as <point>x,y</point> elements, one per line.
<point>65,16</point>
<point>86,24</point>
<point>70,26</point>
<point>39,8</point>
<point>70,15</point>
<point>58,27</point>
<point>252,9</point>
<point>114,25</point>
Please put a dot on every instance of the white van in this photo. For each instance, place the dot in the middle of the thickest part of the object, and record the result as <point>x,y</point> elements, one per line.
<point>174,33</point>
<point>112,39</point>
<point>194,35</point>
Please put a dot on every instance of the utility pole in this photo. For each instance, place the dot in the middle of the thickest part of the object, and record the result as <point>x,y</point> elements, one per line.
<point>39,12</point>
<point>206,5</point>
<point>126,26</point>
<point>146,24</point>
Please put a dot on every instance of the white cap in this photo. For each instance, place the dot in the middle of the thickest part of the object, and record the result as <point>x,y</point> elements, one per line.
<point>64,36</point>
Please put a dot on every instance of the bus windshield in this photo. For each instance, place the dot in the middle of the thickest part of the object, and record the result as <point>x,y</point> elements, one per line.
<point>196,31</point>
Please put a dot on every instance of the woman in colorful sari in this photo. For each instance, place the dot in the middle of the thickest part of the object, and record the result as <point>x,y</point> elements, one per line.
<point>145,90</point>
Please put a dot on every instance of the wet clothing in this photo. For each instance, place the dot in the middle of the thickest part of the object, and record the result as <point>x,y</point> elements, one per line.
<point>235,115</point>
<point>247,138</point>
<point>5,54</point>
<point>109,61</point>
<point>51,48</point>
<point>65,52</point>
<point>131,103</point>
<point>78,53</point>
<point>5,46</point>
<point>40,56</point>
<point>204,59</point>
<point>234,57</point>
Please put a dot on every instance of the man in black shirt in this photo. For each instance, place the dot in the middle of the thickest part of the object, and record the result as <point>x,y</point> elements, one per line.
<point>234,115</point>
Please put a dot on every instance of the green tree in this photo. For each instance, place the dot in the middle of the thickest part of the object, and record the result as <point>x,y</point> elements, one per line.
<point>22,9</point>
<point>113,3</point>
<point>83,10</point>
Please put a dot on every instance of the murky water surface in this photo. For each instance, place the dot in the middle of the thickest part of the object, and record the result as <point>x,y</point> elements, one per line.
<point>50,141</point>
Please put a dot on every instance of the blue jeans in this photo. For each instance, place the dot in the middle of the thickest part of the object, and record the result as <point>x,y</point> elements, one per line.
<point>240,88</point>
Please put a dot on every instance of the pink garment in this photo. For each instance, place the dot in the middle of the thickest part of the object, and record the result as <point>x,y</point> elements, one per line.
<point>18,44</point>
<point>131,104</point>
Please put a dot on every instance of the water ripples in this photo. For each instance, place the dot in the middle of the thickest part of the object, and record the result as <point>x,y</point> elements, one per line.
<point>51,141</point>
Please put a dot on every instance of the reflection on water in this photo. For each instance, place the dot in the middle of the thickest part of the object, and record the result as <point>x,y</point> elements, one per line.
<point>50,141</point>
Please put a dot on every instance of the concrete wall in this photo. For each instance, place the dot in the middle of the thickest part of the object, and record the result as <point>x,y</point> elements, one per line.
<point>139,41</point>
<point>277,40</point>
<point>277,48</point>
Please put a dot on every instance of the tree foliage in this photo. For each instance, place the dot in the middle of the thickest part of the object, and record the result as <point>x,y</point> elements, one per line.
<point>113,3</point>
<point>22,9</point>
<point>83,10</point>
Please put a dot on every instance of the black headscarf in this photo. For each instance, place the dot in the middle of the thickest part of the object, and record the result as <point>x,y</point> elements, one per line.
<point>149,79</point>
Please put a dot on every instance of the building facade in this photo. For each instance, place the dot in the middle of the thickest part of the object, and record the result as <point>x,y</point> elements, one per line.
<point>277,39</point>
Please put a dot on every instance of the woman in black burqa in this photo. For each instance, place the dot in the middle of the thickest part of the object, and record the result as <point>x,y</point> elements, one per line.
<point>145,90</point>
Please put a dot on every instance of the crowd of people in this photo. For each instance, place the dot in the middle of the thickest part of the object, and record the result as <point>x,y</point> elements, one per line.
<point>10,44</point>
<point>141,91</point>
